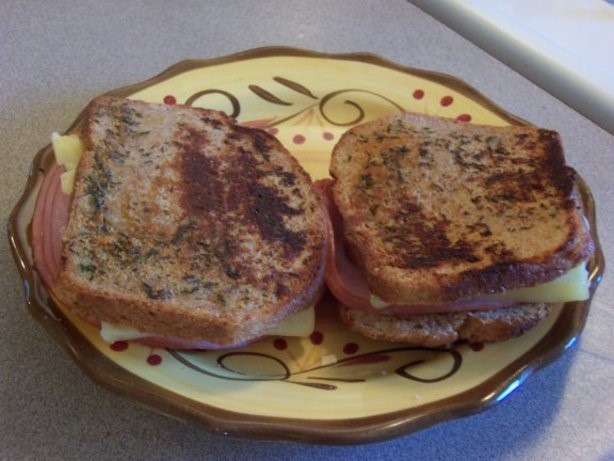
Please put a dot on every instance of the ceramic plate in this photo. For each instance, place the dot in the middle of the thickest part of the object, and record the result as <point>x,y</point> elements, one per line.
<point>335,386</point>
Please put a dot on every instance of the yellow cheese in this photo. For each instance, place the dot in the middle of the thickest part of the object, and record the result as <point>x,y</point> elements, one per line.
<point>300,324</point>
<point>571,286</point>
<point>111,333</point>
<point>377,302</point>
<point>67,181</point>
<point>68,150</point>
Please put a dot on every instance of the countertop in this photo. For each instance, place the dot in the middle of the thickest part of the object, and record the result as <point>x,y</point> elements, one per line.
<point>562,45</point>
<point>56,56</point>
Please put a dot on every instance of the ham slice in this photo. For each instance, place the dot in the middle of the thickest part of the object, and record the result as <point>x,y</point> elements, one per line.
<point>349,285</point>
<point>50,216</point>
<point>48,221</point>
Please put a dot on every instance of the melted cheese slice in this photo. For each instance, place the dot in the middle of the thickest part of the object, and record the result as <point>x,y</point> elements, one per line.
<point>300,324</point>
<point>68,150</point>
<point>571,286</point>
<point>67,182</point>
<point>111,333</point>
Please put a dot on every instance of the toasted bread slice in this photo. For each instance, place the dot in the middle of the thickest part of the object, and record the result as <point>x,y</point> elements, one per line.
<point>440,330</point>
<point>186,225</point>
<point>436,210</point>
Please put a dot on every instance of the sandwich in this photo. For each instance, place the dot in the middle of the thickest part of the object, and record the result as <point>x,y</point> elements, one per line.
<point>177,227</point>
<point>445,231</point>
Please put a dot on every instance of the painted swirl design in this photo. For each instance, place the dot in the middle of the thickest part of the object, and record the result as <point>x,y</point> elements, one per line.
<point>330,98</point>
<point>403,361</point>
<point>325,104</point>
<point>233,100</point>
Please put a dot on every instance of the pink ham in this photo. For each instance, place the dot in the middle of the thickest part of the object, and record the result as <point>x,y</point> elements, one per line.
<point>349,285</point>
<point>49,218</point>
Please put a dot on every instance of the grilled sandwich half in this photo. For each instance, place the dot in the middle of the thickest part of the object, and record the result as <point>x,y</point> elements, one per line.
<point>446,230</point>
<point>187,227</point>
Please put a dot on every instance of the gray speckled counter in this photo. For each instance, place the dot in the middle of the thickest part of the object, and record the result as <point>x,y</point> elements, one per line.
<point>56,56</point>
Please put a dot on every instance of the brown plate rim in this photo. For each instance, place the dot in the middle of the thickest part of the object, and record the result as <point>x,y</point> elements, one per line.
<point>103,370</point>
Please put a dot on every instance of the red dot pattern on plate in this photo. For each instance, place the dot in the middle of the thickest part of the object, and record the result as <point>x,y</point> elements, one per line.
<point>476,347</point>
<point>170,99</point>
<point>418,94</point>
<point>327,135</point>
<point>464,118</point>
<point>119,346</point>
<point>154,359</point>
<point>298,139</point>
<point>446,101</point>
<point>350,348</point>
<point>316,337</point>
<point>280,344</point>
<point>273,131</point>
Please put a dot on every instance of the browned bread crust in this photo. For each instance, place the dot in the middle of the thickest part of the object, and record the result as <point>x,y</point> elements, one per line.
<point>186,225</point>
<point>439,330</point>
<point>437,210</point>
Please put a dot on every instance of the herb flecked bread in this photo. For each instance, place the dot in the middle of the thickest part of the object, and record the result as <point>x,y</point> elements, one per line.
<point>186,225</point>
<point>437,330</point>
<point>436,210</point>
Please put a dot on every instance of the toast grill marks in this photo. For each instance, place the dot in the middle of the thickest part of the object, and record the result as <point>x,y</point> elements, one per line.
<point>191,211</point>
<point>234,194</point>
<point>491,181</point>
<point>479,205</point>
